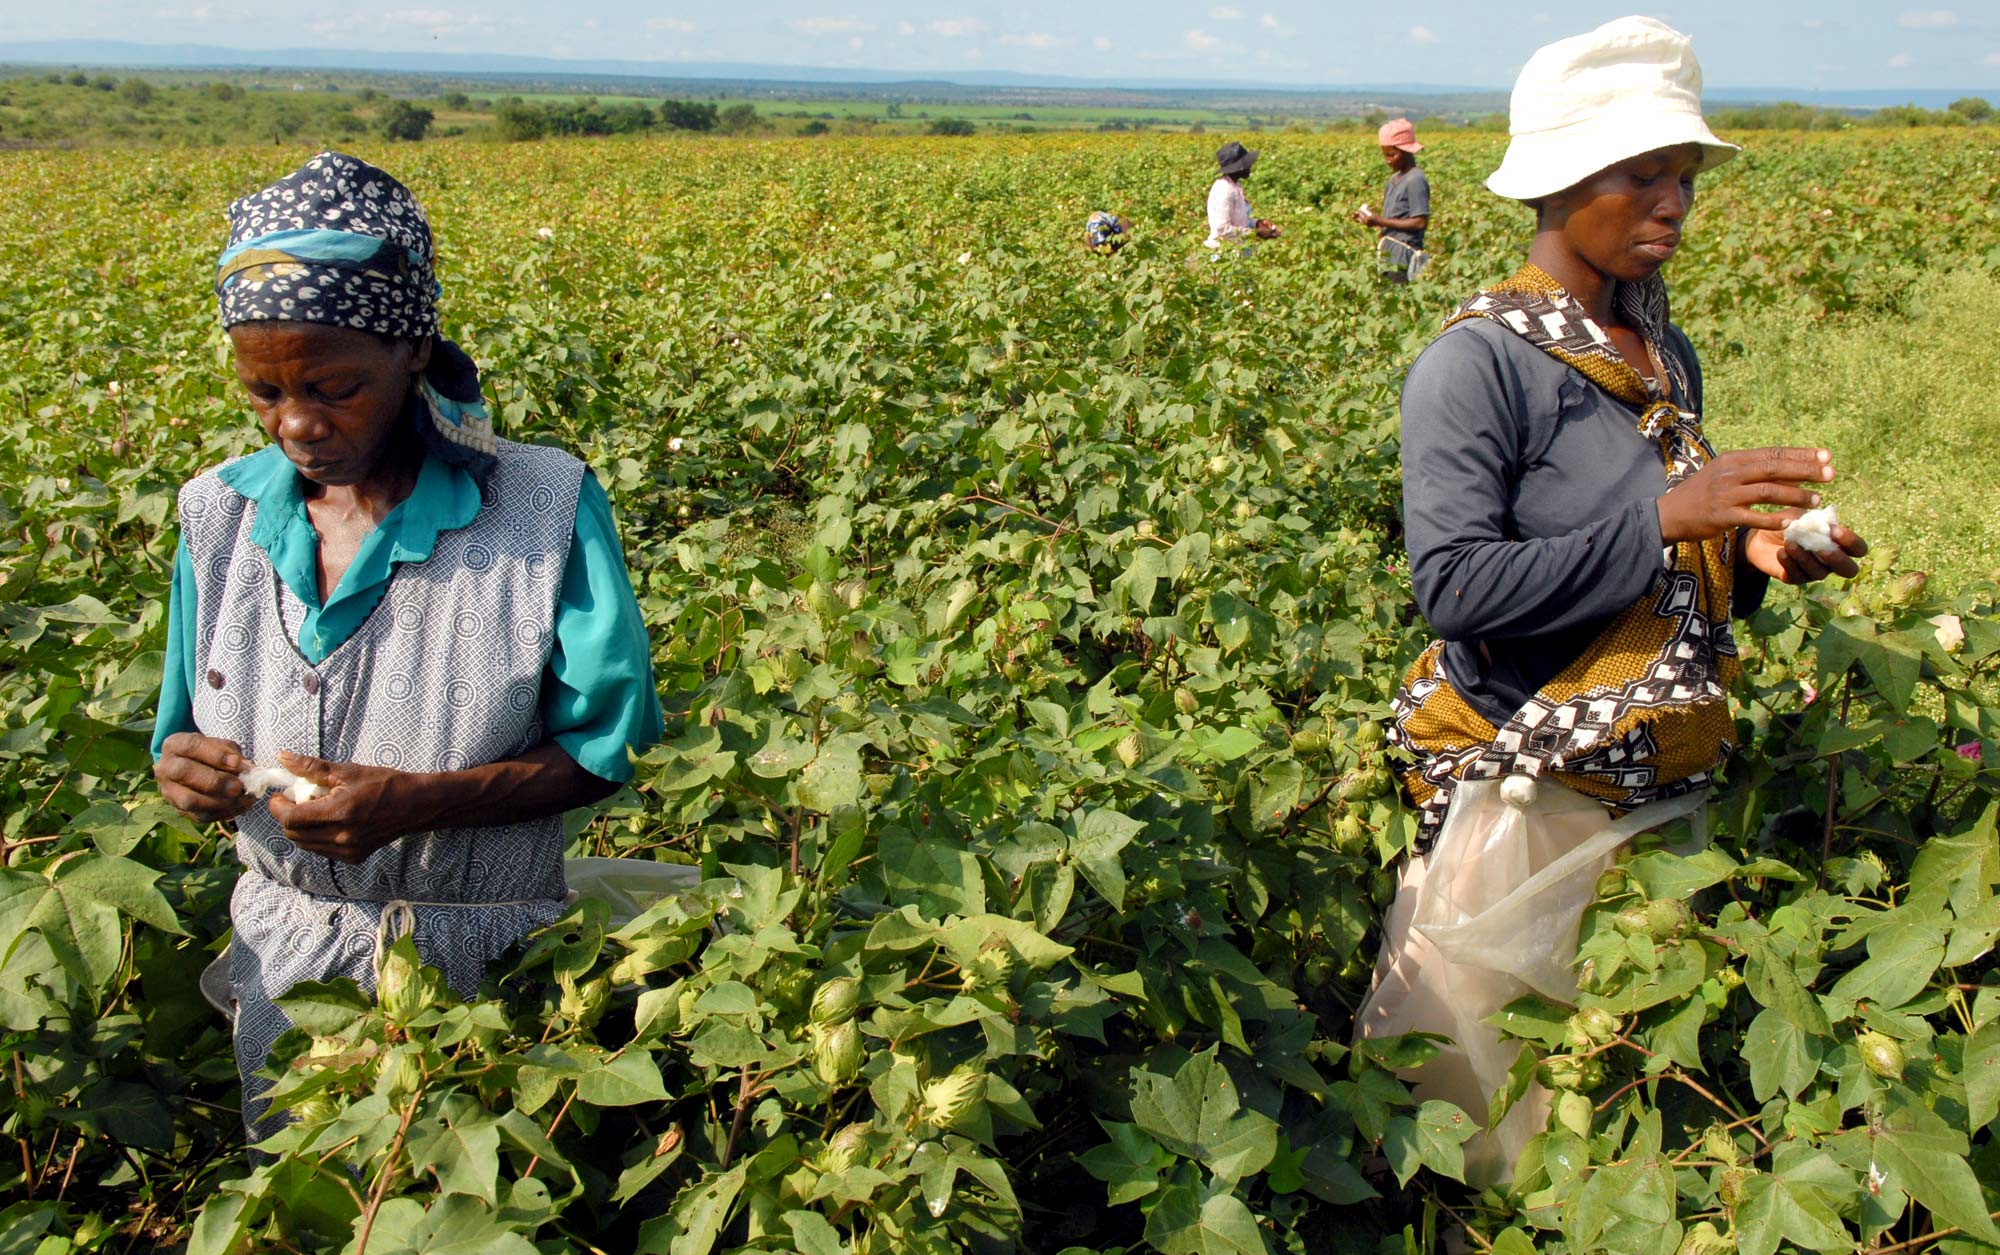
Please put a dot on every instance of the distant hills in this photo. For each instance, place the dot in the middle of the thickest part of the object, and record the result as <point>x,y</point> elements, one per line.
<point>630,74</point>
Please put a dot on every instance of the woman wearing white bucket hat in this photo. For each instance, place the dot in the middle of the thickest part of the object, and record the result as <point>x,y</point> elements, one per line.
<point>1579,548</point>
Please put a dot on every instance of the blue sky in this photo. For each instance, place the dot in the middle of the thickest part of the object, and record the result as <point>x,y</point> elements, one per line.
<point>1781,43</point>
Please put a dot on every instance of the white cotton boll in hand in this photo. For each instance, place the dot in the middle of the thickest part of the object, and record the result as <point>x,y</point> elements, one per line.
<point>1518,791</point>
<point>1813,531</point>
<point>261,780</point>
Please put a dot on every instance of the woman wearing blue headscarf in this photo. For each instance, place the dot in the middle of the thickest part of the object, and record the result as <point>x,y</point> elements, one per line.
<point>431,626</point>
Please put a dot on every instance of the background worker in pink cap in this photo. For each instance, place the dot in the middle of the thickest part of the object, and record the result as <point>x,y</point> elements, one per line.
<point>1406,201</point>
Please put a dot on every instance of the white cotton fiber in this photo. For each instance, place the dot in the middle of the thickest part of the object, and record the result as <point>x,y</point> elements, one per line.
<point>1518,791</point>
<point>1813,531</point>
<point>261,780</point>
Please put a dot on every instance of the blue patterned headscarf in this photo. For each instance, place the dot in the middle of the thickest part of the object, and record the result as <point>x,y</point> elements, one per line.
<point>341,242</point>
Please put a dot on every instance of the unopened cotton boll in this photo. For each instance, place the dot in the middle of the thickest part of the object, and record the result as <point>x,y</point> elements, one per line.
<point>1518,791</point>
<point>261,780</point>
<point>1813,531</point>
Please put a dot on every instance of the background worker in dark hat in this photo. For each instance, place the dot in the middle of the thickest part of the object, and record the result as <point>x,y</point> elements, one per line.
<point>1406,202</point>
<point>1229,218</point>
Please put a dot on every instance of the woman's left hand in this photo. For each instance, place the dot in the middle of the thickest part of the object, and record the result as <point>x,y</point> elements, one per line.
<point>364,809</point>
<point>1788,563</point>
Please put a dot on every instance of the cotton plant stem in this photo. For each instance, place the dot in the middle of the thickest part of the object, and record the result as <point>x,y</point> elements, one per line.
<point>1933,1236</point>
<point>381,1188</point>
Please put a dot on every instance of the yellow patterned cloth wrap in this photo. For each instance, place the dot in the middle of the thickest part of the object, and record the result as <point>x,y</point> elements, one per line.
<point>1643,714</point>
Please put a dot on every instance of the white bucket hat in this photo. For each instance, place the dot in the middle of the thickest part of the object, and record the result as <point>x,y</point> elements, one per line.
<point>1591,101</point>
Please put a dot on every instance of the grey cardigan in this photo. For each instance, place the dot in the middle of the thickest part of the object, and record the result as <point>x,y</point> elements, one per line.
<point>1528,509</point>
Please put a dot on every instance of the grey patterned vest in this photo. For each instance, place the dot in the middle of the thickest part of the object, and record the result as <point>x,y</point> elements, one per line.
<point>445,674</point>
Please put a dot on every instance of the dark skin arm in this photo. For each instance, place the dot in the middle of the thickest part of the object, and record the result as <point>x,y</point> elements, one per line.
<point>1724,493</point>
<point>1419,223</point>
<point>369,807</point>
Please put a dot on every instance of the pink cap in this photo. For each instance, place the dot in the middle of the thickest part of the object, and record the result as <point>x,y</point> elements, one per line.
<point>1399,133</point>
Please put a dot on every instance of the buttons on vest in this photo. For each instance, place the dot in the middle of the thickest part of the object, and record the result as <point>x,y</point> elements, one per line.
<point>214,679</point>
<point>310,683</point>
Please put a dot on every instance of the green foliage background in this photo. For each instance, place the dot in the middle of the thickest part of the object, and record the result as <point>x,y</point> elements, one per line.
<point>1025,620</point>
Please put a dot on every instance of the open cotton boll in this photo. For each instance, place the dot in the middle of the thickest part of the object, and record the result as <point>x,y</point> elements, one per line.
<point>1813,531</point>
<point>261,780</point>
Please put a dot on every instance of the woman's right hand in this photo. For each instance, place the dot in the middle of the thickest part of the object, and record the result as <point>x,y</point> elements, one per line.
<point>197,776</point>
<point>1722,495</point>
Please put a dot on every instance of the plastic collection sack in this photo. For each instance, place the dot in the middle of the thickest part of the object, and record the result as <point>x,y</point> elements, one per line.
<point>1489,916</point>
<point>627,885</point>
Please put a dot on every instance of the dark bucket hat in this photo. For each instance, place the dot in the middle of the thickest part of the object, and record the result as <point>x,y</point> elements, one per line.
<point>1234,158</point>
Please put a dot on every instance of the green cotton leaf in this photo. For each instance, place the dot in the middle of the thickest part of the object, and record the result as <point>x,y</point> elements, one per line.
<point>1513,1242</point>
<point>1773,982</point>
<point>700,1213</point>
<point>1677,1039</point>
<point>462,1150</point>
<point>1519,1077</point>
<point>83,933</point>
<point>1894,665</point>
<point>1196,1114</point>
<point>1781,1055</point>
<point>1664,875</point>
<point>1627,1209</point>
<point>1275,791</point>
<point>135,1115</point>
<point>1100,834</point>
<point>1532,1018</point>
<point>1433,1138</point>
<point>812,1235</point>
<point>831,780</point>
<point>1776,1210</point>
<point>122,884</point>
<point>1226,745</point>
<point>1926,1158</point>
<point>1980,1070</point>
<point>943,877</point>
<point>780,758</point>
<point>1132,592</point>
<point>1230,615</point>
<point>456,1224</point>
<point>1901,959</point>
<point>1962,867</point>
<point>327,1008</point>
<point>622,1081</point>
<point>1185,1223</point>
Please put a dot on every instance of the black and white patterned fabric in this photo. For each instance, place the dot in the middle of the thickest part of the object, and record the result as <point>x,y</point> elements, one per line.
<point>445,674</point>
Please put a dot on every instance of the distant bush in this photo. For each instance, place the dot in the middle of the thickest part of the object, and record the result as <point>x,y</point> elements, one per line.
<point>224,92</point>
<point>687,115</point>
<point>814,127</point>
<point>402,120</point>
<point>136,91</point>
<point>952,126</point>
<point>456,100</point>
<point>1972,108</point>
<point>738,118</point>
<point>104,83</point>
<point>515,119</point>
<point>79,79</point>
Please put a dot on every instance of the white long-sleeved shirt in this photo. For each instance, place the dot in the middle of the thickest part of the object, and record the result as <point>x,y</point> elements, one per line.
<point>1228,212</point>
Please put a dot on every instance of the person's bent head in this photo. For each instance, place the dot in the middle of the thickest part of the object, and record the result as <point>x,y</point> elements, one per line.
<point>328,292</point>
<point>1606,140</point>
<point>1234,161</point>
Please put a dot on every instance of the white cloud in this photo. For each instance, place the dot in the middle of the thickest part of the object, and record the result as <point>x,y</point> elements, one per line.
<point>958,27</point>
<point>1037,39</point>
<point>906,29</point>
<point>1422,35</point>
<point>855,41</point>
<point>1993,58</point>
<point>1226,13</point>
<point>975,54</point>
<point>1200,41</point>
<point>1927,19</point>
<point>1269,21</point>
<point>1902,61</point>
<point>1544,17</point>
<point>679,26</point>
<point>1104,45</point>
<point>829,25</point>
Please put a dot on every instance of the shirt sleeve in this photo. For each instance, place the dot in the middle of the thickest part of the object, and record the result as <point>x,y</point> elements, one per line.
<point>176,713</point>
<point>1750,586</point>
<point>1417,199</point>
<point>1462,436</point>
<point>599,700</point>
<point>1223,217</point>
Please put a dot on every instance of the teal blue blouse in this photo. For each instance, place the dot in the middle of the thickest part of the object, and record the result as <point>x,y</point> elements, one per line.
<point>598,695</point>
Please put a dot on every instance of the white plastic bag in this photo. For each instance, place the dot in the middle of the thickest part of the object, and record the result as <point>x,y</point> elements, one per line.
<point>1491,914</point>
